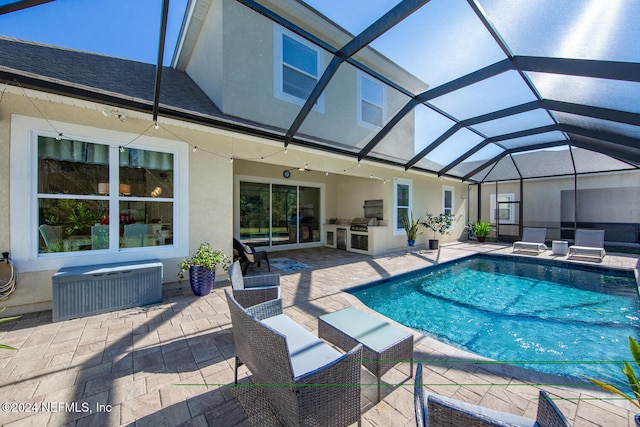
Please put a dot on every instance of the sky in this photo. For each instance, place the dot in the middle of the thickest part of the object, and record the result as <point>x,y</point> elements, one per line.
<point>127,29</point>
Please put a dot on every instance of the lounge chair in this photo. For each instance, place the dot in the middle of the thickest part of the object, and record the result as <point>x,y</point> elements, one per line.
<point>252,290</point>
<point>444,411</point>
<point>588,243</point>
<point>532,240</point>
<point>247,255</point>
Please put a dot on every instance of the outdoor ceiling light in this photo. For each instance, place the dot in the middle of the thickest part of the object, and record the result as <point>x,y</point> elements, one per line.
<point>113,112</point>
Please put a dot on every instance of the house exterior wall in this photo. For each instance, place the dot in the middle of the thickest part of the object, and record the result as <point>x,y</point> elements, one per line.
<point>602,198</point>
<point>210,184</point>
<point>210,204</point>
<point>345,192</point>
<point>206,64</point>
<point>233,62</point>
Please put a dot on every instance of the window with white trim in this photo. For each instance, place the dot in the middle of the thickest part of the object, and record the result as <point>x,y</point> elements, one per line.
<point>298,65</point>
<point>82,186</point>
<point>502,208</point>
<point>447,200</point>
<point>371,96</point>
<point>402,198</point>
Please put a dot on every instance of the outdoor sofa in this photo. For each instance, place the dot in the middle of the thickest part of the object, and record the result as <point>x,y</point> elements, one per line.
<point>433,410</point>
<point>306,381</point>
<point>252,290</point>
<point>588,243</point>
<point>532,240</point>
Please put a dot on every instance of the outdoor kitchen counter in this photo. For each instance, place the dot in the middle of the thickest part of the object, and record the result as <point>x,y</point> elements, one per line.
<point>370,242</point>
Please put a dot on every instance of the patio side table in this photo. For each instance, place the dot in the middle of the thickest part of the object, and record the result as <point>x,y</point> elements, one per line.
<point>384,345</point>
<point>560,247</point>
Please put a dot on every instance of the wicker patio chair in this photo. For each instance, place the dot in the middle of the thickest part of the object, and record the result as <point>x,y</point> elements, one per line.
<point>446,412</point>
<point>307,382</point>
<point>247,255</point>
<point>253,290</point>
<point>532,240</point>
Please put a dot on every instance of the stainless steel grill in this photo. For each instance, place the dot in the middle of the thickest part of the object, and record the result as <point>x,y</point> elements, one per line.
<point>362,224</point>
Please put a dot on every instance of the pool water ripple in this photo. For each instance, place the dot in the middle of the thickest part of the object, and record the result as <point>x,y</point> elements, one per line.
<point>547,316</point>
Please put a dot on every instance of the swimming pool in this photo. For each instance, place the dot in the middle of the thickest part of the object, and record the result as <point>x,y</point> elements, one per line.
<point>542,316</point>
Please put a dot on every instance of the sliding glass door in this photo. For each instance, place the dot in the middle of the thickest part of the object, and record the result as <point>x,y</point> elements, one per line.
<point>254,213</point>
<point>279,214</point>
<point>283,214</point>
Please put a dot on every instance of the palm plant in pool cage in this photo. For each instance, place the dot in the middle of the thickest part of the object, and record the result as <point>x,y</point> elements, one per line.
<point>634,347</point>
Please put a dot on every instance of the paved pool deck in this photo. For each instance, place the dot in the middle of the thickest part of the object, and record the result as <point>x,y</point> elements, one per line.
<point>172,363</point>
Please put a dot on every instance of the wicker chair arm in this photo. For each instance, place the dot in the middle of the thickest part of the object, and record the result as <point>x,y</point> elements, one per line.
<point>331,395</point>
<point>548,413</point>
<point>266,309</point>
<point>262,280</point>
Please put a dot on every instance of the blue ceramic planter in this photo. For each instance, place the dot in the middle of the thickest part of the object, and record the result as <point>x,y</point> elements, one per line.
<point>201,280</point>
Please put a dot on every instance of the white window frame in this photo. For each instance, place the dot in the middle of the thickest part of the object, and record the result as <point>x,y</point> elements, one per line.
<point>398,229</point>
<point>445,189</point>
<point>278,62</point>
<point>24,197</point>
<point>493,206</point>
<point>360,99</point>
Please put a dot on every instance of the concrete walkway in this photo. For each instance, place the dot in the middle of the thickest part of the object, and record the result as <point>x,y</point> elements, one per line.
<point>172,364</point>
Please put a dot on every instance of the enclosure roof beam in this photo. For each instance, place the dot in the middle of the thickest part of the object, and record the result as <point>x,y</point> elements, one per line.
<point>375,30</point>
<point>512,151</point>
<point>519,134</point>
<point>14,6</point>
<point>612,70</point>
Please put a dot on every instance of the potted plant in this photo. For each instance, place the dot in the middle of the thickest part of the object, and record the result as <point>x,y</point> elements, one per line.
<point>634,347</point>
<point>411,228</point>
<point>481,230</point>
<point>202,268</point>
<point>438,224</point>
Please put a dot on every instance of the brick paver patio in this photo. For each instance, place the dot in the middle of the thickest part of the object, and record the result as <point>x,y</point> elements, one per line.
<point>172,363</point>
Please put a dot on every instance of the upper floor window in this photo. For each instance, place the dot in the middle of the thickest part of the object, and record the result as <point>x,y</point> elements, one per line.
<point>92,196</point>
<point>298,64</point>
<point>402,192</point>
<point>447,200</point>
<point>370,101</point>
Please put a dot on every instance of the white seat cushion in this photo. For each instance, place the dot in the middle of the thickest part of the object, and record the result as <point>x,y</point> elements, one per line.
<point>307,351</point>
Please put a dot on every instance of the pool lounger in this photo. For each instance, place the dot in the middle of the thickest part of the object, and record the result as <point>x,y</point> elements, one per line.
<point>588,243</point>
<point>532,240</point>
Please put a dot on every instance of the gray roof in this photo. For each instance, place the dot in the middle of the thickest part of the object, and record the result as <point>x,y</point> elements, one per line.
<point>91,75</point>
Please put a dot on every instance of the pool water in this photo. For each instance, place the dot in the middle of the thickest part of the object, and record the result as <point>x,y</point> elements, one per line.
<point>566,321</point>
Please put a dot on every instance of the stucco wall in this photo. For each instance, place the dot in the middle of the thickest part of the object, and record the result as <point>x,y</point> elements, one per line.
<point>205,65</point>
<point>210,182</point>
<point>346,190</point>
<point>210,176</point>
<point>542,203</point>
<point>233,62</point>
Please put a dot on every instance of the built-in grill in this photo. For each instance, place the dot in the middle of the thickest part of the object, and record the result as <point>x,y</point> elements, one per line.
<point>362,224</point>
